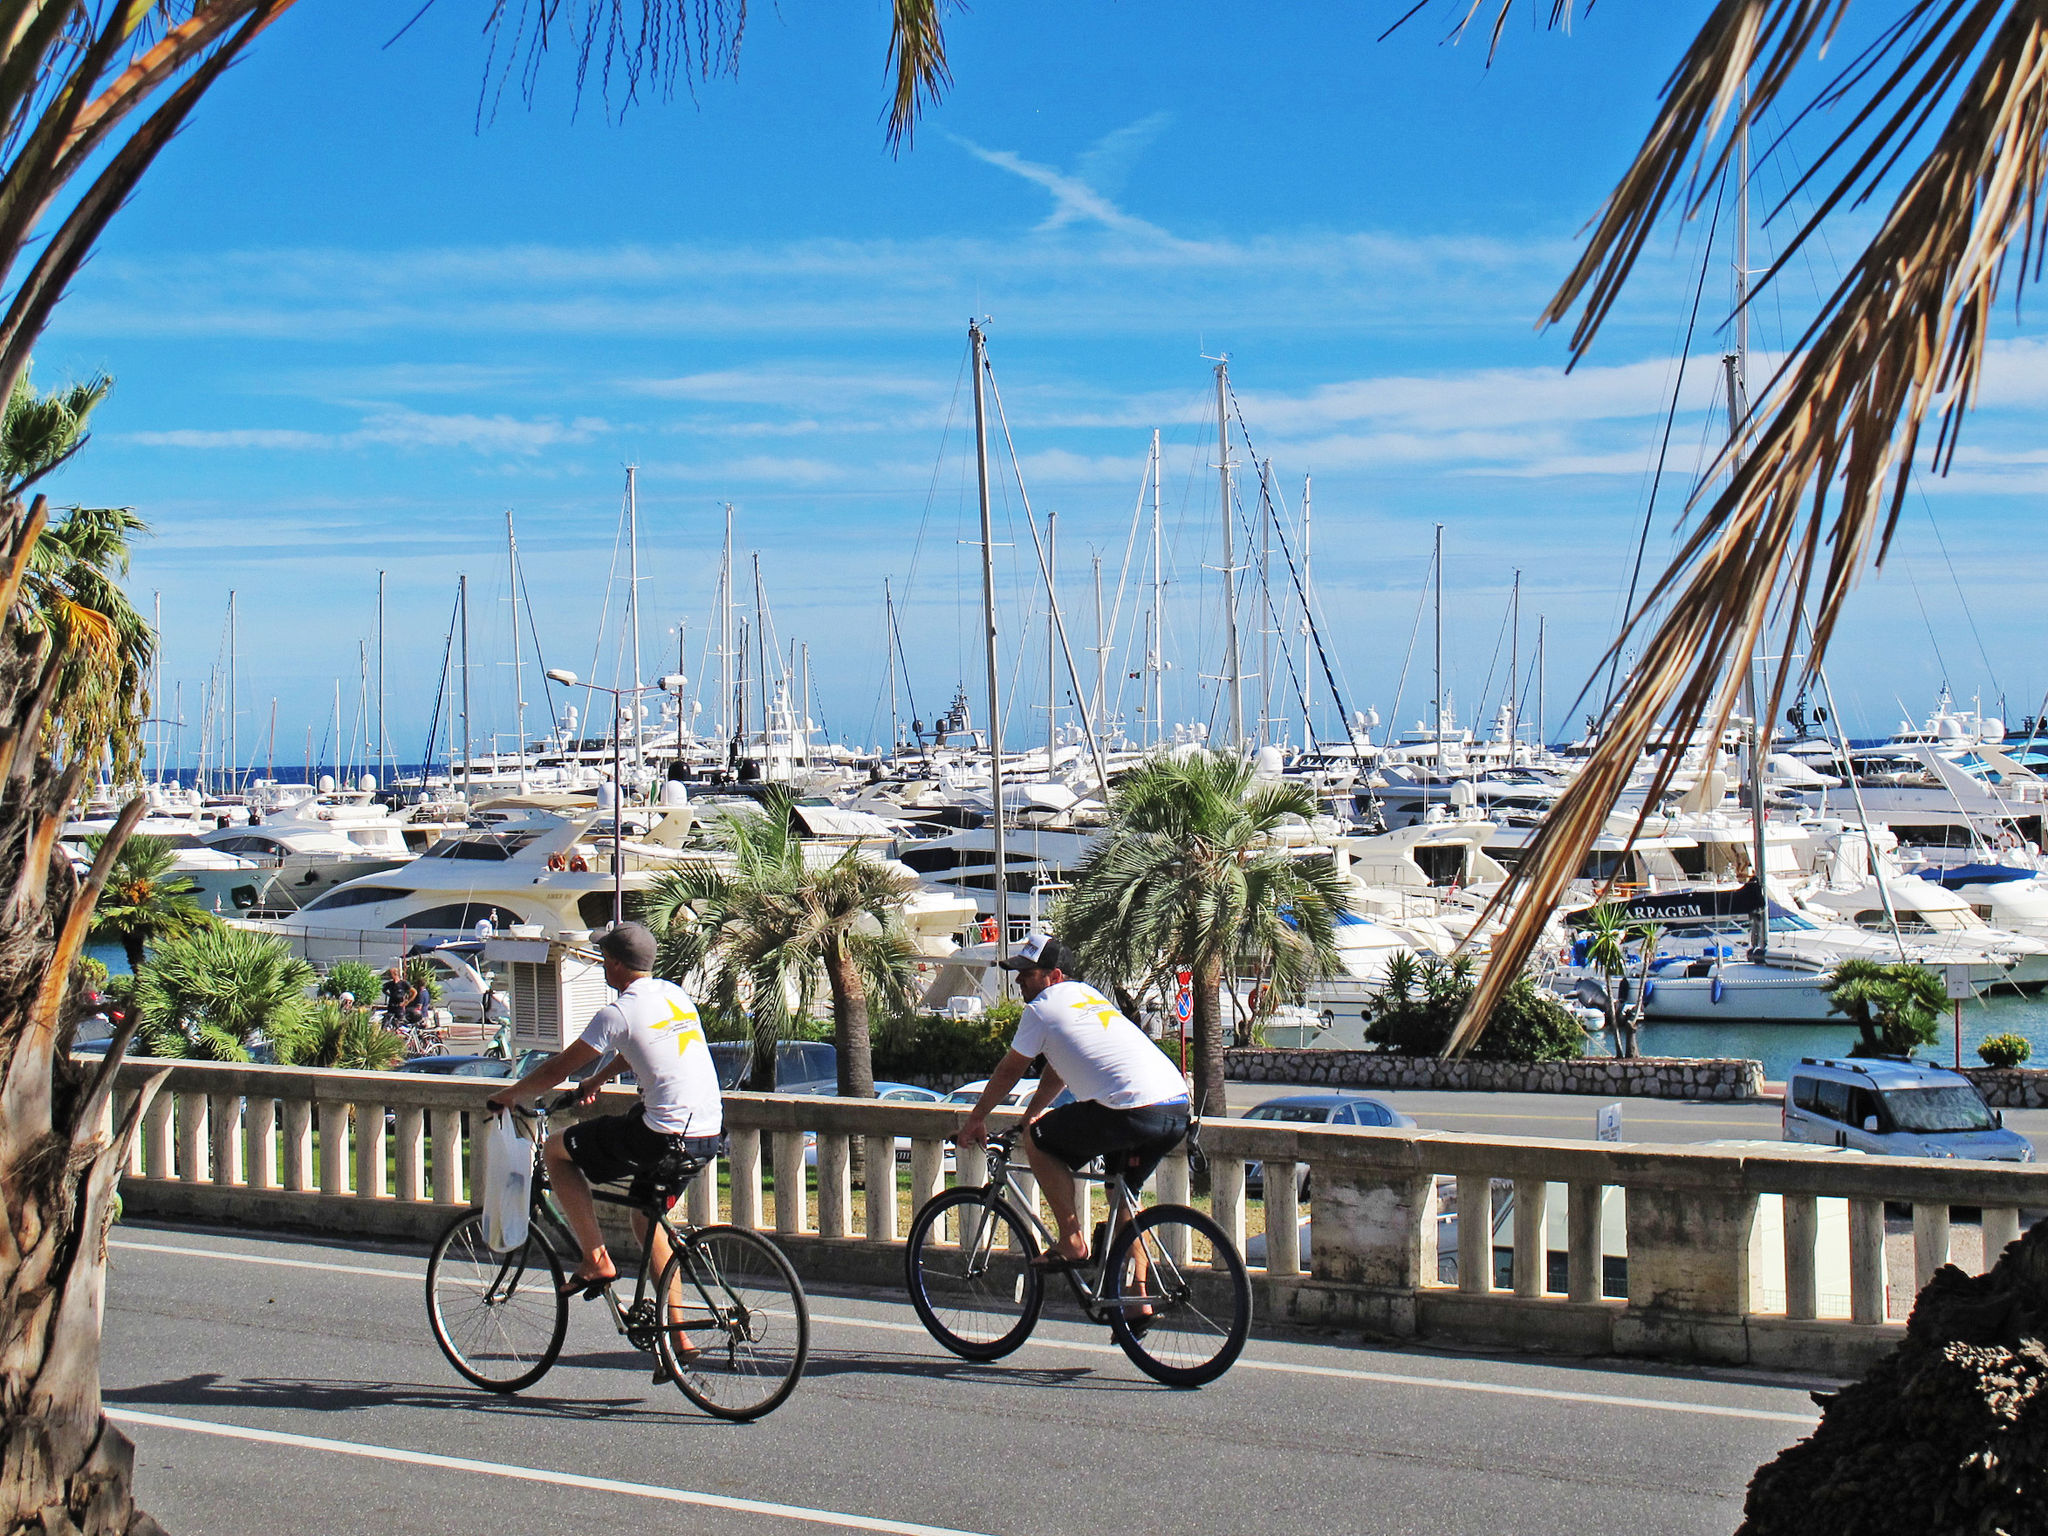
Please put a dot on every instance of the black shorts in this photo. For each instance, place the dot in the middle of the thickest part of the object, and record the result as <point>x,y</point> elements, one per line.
<point>611,1148</point>
<point>1130,1142</point>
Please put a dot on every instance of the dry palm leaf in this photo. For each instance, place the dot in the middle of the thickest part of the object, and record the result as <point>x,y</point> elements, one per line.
<point>1831,444</point>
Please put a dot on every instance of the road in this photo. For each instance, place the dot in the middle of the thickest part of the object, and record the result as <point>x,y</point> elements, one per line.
<point>1571,1116</point>
<point>279,1386</point>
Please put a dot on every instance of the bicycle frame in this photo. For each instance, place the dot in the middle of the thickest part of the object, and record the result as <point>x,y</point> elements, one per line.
<point>1005,1183</point>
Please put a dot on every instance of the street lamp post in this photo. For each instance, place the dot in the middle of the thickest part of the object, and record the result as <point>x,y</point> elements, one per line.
<point>672,684</point>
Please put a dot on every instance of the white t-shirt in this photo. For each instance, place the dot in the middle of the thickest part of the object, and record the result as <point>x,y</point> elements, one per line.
<point>1098,1053</point>
<point>653,1024</point>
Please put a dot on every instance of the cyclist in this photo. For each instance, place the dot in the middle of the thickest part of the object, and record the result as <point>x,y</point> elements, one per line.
<point>1130,1103</point>
<point>652,1028</point>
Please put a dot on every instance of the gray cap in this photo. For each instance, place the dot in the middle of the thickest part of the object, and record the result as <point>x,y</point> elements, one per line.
<point>630,944</point>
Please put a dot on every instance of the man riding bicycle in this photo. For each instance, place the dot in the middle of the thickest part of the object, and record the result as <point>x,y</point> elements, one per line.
<point>1130,1103</point>
<point>651,1027</point>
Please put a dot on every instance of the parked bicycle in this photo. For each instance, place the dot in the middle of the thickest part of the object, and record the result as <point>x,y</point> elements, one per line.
<point>727,1316</point>
<point>1167,1281</point>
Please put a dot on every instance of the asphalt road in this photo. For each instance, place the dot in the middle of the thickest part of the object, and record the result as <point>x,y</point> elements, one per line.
<point>275,1386</point>
<point>1571,1116</point>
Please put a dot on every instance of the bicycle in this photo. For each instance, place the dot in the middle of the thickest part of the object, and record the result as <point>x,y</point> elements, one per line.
<point>1172,1287</point>
<point>730,1293</point>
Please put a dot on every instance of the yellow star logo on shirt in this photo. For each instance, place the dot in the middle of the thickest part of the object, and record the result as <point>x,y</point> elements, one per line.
<point>682,1021</point>
<point>1101,1007</point>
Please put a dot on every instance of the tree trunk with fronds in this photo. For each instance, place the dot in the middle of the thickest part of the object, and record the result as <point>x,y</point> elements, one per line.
<point>850,1027</point>
<point>63,1467</point>
<point>1208,1039</point>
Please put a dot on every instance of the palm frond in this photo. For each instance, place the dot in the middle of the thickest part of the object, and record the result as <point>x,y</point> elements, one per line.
<point>1817,492</point>
<point>917,59</point>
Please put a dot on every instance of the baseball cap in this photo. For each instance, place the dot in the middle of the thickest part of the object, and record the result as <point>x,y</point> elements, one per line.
<point>1041,952</point>
<point>630,944</point>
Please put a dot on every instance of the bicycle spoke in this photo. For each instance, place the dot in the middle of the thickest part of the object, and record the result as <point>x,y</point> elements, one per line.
<point>969,1276</point>
<point>735,1330</point>
<point>496,1317</point>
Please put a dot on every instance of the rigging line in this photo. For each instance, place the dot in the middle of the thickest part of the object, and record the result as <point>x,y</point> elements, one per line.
<point>1492,664</point>
<point>1664,446</point>
<point>1265,500</point>
<point>1401,686</point>
<point>547,691</point>
<point>909,693</point>
<point>440,696</point>
<point>1913,582</point>
<point>1315,632</point>
<point>604,616</point>
<point>1942,544</point>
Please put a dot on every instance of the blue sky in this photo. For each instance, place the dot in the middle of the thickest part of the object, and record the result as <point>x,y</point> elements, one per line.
<point>351,329</point>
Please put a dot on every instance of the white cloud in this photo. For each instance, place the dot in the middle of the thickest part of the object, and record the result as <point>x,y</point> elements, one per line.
<point>491,435</point>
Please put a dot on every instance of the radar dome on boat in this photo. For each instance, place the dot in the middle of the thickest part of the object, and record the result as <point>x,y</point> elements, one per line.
<point>326,784</point>
<point>1269,762</point>
<point>366,783</point>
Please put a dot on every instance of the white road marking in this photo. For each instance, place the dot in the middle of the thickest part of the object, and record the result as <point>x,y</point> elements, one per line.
<point>1278,1367</point>
<point>796,1512</point>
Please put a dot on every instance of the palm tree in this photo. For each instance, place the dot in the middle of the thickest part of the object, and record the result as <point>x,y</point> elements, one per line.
<point>91,95</point>
<point>333,1036</point>
<point>769,932</point>
<point>1944,105</point>
<point>1894,1007</point>
<point>217,991</point>
<point>145,902</point>
<point>1188,875</point>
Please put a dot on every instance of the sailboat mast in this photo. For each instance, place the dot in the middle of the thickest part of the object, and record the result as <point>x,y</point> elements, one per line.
<point>1101,645</point>
<point>1308,673</point>
<point>761,650</point>
<point>1232,678</point>
<point>270,756</point>
<point>382,739</point>
<point>633,604</point>
<point>1541,680</point>
<point>889,661</point>
<point>1514,661</point>
<point>518,669</point>
<point>725,656</point>
<point>156,692</point>
<point>234,693</point>
<point>979,348</point>
<point>462,601</point>
<point>1436,708</point>
<point>1154,662</point>
<point>1052,684</point>
<point>1738,411</point>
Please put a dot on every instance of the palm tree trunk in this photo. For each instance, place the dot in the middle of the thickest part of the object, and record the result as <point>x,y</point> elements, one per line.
<point>63,1467</point>
<point>1208,1040</point>
<point>850,1023</point>
<point>131,943</point>
<point>761,1025</point>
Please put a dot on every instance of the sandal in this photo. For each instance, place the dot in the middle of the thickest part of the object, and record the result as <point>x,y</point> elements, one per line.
<point>589,1287</point>
<point>1057,1264</point>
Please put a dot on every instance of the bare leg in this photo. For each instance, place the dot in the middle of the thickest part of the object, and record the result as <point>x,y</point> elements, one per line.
<point>659,1248</point>
<point>1056,1179</point>
<point>573,1191</point>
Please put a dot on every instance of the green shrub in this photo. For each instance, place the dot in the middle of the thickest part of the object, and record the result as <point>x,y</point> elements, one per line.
<point>2005,1050</point>
<point>422,972</point>
<point>329,1037</point>
<point>938,1045</point>
<point>213,993</point>
<point>1420,1003</point>
<point>364,983</point>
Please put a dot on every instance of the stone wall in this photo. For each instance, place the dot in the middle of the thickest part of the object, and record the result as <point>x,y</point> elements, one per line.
<point>2011,1087</point>
<point>1649,1077</point>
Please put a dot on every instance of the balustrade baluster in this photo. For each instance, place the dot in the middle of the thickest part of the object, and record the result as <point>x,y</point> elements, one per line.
<point>2001,1230</point>
<point>1532,1256</point>
<point>835,1184</point>
<point>1475,1232</point>
<point>262,1121</point>
<point>192,1137</point>
<point>792,1197</point>
<point>880,1152</point>
<point>412,1150</point>
<point>1226,1198</point>
<point>1585,1260</point>
<point>224,1124</point>
<point>1173,1190</point>
<point>1802,1232</point>
<point>1283,1217</point>
<point>1866,1261</point>
<point>927,1172</point>
<point>157,1157</point>
<point>445,1125</point>
<point>298,1144</point>
<point>1930,1242</point>
<point>701,1204</point>
<point>333,1149</point>
<point>745,1154</point>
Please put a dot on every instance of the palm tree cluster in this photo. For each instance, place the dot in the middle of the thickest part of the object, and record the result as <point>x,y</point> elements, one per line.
<point>1190,875</point>
<point>218,992</point>
<point>763,935</point>
<point>1894,1007</point>
<point>145,900</point>
<point>1419,1002</point>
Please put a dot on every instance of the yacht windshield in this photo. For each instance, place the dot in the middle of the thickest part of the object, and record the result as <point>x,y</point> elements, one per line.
<point>1932,1111</point>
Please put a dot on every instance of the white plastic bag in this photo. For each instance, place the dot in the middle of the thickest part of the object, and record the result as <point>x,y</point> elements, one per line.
<point>507,1183</point>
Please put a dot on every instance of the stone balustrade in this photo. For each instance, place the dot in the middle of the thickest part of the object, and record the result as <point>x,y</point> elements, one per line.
<point>1700,1233</point>
<point>1643,1077</point>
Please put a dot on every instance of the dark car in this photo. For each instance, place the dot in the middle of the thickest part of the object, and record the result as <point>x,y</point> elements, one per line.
<point>801,1066</point>
<point>1350,1109</point>
<point>458,1066</point>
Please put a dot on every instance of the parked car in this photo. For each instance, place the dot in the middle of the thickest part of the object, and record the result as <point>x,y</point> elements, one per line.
<point>1895,1108</point>
<point>459,1066</point>
<point>801,1066</point>
<point>1333,1108</point>
<point>889,1093</point>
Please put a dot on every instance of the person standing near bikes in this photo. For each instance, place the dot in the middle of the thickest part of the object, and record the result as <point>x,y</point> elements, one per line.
<point>652,1027</point>
<point>404,1003</point>
<point>1130,1102</point>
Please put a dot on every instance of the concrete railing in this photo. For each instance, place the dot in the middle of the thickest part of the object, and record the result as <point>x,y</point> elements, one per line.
<point>1696,1238</point>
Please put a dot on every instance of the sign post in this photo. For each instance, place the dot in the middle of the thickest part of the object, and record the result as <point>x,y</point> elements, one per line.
<point>1957,978</point>
<point>1609,1123</point>
<point>1184,1010</point>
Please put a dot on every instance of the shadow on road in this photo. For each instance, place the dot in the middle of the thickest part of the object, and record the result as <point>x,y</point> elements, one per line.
<point>206,1390</point>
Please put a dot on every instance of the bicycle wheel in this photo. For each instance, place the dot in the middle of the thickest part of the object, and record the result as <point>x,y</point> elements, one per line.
<point>733,1297</point>
<point>499,1318</point>
<point>968,1263</point>
<point>1200,1311</point>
